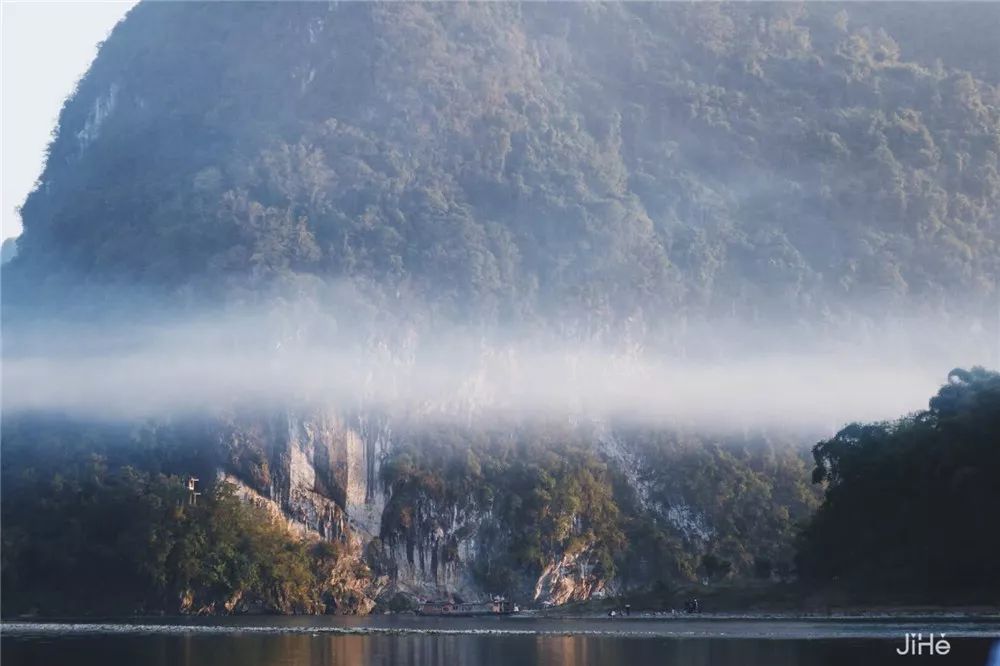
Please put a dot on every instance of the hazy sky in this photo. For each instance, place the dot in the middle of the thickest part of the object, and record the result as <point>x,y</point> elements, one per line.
<point>46,47</point>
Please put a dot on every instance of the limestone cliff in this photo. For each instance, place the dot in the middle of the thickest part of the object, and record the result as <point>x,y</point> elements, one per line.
<point>320,472</point>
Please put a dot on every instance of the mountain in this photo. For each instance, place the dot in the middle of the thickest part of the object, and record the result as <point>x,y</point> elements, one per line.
<point>8,251</point>
<point>633,175</point>
<point>574,164</point>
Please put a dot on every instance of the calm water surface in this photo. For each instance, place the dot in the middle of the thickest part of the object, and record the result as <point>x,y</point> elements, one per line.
<point>519,641</point>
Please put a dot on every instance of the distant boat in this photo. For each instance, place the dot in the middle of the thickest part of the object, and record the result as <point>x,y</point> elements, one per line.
<point>455,609</point>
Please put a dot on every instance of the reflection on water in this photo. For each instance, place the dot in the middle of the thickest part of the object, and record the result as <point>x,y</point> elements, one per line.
<point>303,649</point>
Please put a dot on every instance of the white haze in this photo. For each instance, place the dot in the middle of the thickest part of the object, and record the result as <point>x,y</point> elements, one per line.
<point>722,385</point>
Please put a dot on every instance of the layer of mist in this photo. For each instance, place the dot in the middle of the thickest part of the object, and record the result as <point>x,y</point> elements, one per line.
<point>714,378</point>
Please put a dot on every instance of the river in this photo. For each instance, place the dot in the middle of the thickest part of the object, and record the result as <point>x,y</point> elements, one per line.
<point>403,640</point>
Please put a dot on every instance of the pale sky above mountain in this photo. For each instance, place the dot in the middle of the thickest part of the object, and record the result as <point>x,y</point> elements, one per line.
<point>46,47</point>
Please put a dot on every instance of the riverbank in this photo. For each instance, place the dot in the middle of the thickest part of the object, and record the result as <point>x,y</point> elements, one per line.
<point>776,600</point>
<point>743,600</point>
<point>679,626</point>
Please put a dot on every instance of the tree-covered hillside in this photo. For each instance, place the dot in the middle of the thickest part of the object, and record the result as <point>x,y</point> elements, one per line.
<point>911,506</point>
<point>582,164</point>
<point>97,519</point>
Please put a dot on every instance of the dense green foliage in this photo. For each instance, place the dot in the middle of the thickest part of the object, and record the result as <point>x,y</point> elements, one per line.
<point>581,164</point>
<point>550,493</point>
<point>82,534</point>
<point>911,506</point>
<point>908,512</point>
<point>544,496</point>
<point>738,504</point>
<point>96,518</point>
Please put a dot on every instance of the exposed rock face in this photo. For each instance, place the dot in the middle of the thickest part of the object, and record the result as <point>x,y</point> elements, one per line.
<point>367,444</point>
<point>678,513</point>
<point>319,475</point>
<point>461,512</point>
<point>435,557</point>
<point>571,579</point>
<point>319,472</point>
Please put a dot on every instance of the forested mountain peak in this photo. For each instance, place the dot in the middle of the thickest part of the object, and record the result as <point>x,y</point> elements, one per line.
<point>590,163</point>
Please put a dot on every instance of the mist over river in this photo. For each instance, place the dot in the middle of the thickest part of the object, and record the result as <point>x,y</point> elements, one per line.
<point>409,640</point>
